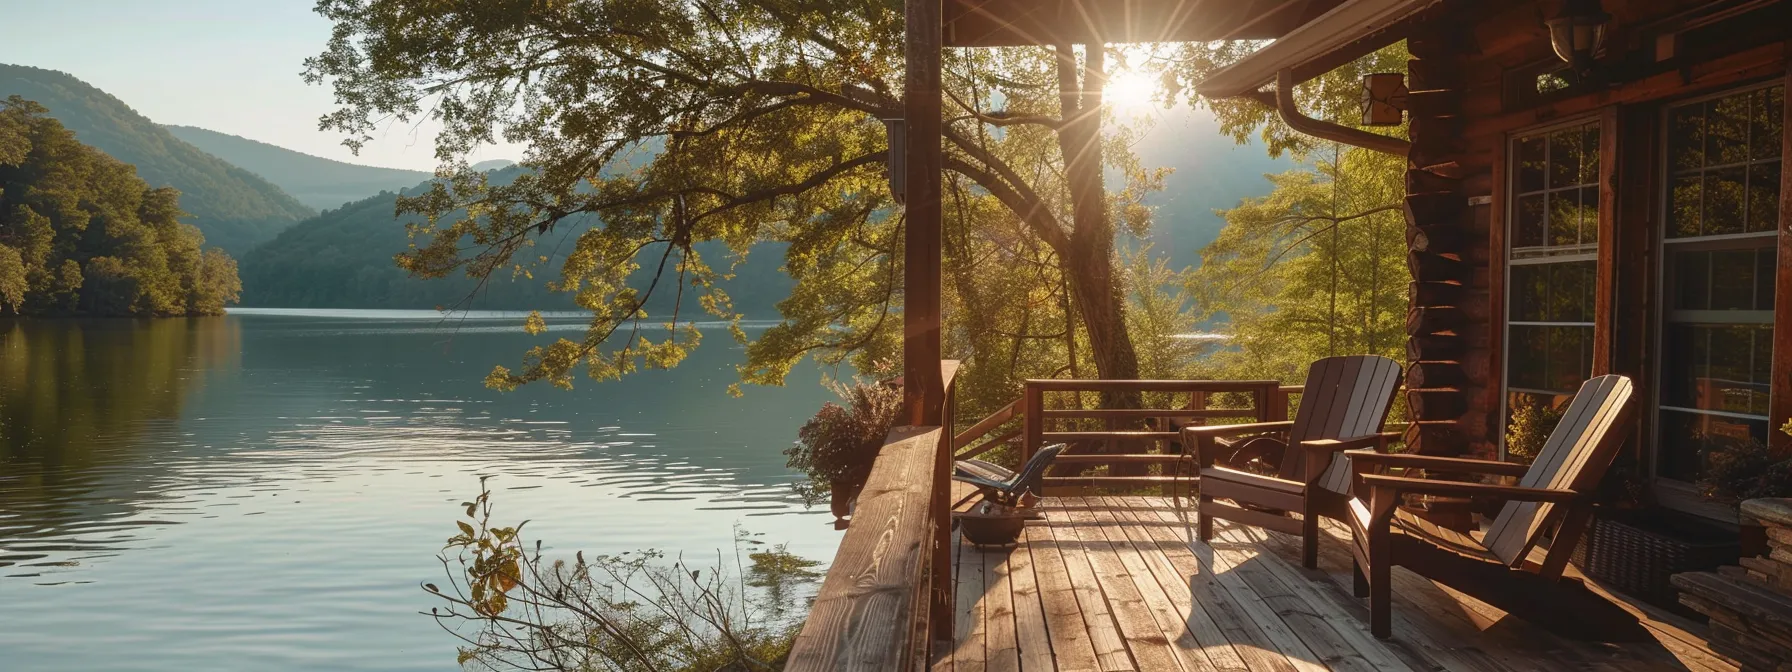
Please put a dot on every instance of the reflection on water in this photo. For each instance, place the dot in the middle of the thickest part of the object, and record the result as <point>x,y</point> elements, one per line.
<point>265,490</point>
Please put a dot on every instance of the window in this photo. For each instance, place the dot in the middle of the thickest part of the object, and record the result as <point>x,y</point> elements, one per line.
<point>1553,238</point>
<point>1719,229</point>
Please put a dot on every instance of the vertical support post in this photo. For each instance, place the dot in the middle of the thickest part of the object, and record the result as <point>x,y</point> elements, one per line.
<point>1033,423</point>
<point>923,391</point>
<point>1780,395</point>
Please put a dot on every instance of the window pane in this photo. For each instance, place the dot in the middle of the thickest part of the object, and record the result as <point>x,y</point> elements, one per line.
<point>1726,387</point>
<point>1564,218</point>
<point>1589,146</point>
<point>1589,215</point>
<point>1684,351</point>
<point>1768,117</point>
<point>1724,201</point>
<point>1763,373</point>
<point>1763,196</point>
<point>1570,357</point>
<point>1571,292</point>
<point>1529,292</point>
<point>1687,438</point>
<point>1726,126</point>
<point>1686,137</point>
<point>1690,273</point>
<point>1527,357</point>
<point>1529,230</point>
<point>1530,164</point>
<point>1564,158</point>
<point>1764,259</point>
<point>1683,206</point>
<point>1733,280</point>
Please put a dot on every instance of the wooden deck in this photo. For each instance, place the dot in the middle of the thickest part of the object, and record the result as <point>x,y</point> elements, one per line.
<point>1113,583</point>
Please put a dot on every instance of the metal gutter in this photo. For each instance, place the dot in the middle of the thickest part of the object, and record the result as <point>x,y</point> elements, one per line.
<point>1349,22</point>
<point>1326,130</point>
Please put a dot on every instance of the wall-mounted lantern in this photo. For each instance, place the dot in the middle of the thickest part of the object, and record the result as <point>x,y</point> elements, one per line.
<point>1578,33</point>
<point>897,162</point>
<point>1384,99</point>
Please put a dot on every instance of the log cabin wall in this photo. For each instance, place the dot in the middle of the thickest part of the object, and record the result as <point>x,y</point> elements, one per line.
<point>1464,112</point>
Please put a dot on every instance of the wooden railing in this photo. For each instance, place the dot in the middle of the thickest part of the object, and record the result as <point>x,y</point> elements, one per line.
<point>887,598</point>
<point>1266,402</point>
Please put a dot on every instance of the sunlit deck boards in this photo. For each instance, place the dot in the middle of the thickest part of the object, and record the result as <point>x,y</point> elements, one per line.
<point>1112,583</point>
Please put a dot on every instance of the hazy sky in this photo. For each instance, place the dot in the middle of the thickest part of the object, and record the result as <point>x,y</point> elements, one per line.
<point>227,65</point>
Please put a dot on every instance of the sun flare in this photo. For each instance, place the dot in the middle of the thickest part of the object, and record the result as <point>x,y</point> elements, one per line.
<point>1130,92</point>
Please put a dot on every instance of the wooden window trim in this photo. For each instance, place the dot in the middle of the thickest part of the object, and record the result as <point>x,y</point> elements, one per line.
<point>1779,402</point>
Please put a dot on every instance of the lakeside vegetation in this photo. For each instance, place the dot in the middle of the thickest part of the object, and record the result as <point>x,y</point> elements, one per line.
<point>81,234</point>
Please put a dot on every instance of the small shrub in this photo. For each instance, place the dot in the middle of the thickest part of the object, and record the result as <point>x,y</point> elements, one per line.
<point>1746,469</point>
<point>838,445</point>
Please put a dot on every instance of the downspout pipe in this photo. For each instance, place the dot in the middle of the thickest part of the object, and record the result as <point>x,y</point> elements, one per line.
<point>1326,130</point>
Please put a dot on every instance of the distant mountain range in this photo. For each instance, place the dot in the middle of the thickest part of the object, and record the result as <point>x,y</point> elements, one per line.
<point>314,232</point>
<point>315,181</point>
<point>234,208</point>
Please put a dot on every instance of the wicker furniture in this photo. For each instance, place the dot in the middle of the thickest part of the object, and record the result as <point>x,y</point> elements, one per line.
<point>1636,552</point>
<point>1343,405</point>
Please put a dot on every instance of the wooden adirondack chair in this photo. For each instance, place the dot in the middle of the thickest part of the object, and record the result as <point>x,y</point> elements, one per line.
<point>1495,567</point>
<point>1343,405</point>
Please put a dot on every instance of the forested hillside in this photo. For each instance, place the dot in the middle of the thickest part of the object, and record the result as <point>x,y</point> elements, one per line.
<point>80,234</point>
<point>234,208</point>
<point>317,182</point>
<point>343,258</point>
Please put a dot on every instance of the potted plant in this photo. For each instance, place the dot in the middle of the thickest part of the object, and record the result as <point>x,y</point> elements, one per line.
<point>836,447</point>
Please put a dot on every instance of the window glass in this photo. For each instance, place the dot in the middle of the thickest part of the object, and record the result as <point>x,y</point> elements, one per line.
<point>1722,203</point>
<point>1554,235</point>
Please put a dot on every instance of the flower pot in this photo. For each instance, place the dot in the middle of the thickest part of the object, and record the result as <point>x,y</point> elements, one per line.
<point>841,496</point>
<point>992,529</point>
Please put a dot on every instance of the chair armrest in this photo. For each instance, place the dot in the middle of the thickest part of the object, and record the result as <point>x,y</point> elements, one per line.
<point>1200,439</point>
<point>1423,486</point>
<point>1457,464</point>
<point>1234,430</point>
<point>1368,441</point>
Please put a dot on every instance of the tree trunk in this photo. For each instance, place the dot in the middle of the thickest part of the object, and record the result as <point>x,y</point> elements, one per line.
<point>1090,262</point>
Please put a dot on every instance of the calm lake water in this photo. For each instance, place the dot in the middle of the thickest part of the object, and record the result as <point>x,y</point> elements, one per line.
<point>267,490</point>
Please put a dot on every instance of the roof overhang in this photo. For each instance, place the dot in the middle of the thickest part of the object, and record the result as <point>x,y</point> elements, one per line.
<point>1346,32</point>
<point>1013,23</point>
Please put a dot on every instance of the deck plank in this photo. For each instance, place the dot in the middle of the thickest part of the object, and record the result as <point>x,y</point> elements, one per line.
<point>1104,633</point>
<point>969,651</point>
<point>1178,619</point>
<point>1150,644</point>
<point>1116,583</point>
<point>1031,636</point>
<point>1071,649</point>
<point>1253,646</point>
<point>998,612</point>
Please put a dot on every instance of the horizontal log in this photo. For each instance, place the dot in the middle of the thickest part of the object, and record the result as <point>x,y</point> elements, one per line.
<point>1437,207</point>
<point>1432,73</point>
<point>1435,437</point>
<point>1435,347</point>
<point>1421,320</point>
<point>1446,169</point>
<point>1424,181</point>
<point>1434,374</point>
<point>1433,150</point>
<point>1436,293</point>
<point>1439,404</point>
<point>1441,102</point>
<point>1428,267</point>
<point>1436,238</point>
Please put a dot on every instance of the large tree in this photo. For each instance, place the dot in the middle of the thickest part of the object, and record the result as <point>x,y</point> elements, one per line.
<point>652,125</point>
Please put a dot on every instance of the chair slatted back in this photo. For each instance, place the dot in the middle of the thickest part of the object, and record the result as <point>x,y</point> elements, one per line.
<point>1574,458</point>
<point>1344,397</point>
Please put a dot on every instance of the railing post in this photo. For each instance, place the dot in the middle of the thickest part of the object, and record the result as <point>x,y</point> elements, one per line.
<point>1034,422</point>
